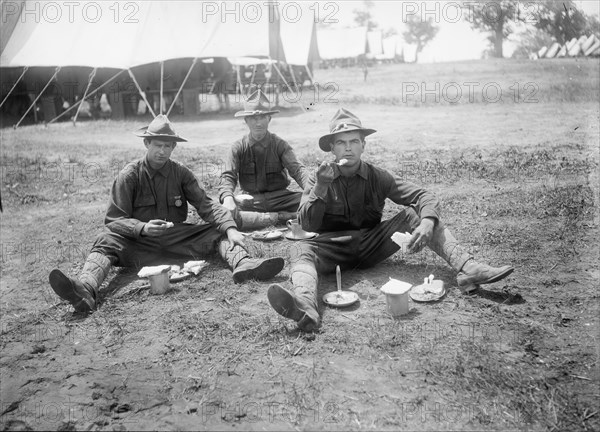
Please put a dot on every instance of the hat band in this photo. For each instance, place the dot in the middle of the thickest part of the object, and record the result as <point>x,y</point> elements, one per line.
<point>342,126</point>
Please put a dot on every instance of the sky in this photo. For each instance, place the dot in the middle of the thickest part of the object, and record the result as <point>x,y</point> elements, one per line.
<point>456,40</point>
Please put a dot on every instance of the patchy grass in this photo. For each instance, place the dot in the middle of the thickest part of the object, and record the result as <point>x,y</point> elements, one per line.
<point>517,355</point>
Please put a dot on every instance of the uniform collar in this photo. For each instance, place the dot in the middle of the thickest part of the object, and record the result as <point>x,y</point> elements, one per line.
<point>363,171</point>
<point>263,141</point>
<point>164,170</point>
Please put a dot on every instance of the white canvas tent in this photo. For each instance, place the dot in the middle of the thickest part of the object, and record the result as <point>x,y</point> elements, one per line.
<point>342,43</point>
<point>299,36</point>
<point>152,32</point>
<point>374,43</point>
<point>391,48</point>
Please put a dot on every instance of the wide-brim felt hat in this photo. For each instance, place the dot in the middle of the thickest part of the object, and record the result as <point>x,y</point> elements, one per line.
<point>342,121</point>
<point>256,104</point>
<point>160,128</point>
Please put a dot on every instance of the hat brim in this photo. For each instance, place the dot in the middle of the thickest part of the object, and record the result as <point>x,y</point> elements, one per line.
<point>143,133</point>
<point>254,113</point>
<point>325,140</point>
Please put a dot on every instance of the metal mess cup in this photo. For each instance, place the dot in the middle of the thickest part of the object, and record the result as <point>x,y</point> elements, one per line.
<point>295,228</point>
<point>396,296</point>
<point>159,284</point>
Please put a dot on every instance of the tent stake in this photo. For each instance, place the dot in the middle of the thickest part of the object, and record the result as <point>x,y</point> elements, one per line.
<point>39,96</point>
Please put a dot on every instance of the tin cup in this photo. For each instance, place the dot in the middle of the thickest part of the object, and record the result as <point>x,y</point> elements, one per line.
<point>396,297</point>
<point>159,284</point>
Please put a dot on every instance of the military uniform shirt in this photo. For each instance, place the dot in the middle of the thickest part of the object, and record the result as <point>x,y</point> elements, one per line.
<point>357,202</point>
<point>141,193</point>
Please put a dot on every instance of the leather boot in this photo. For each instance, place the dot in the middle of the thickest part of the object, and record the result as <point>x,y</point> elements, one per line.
<point>246,268</point>
<point>250,220</point>
<point>474,273</point>
<point>300,305</point>
<point>82,292</point>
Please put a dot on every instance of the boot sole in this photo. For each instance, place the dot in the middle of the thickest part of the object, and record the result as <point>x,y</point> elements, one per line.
<point>285,305</point>
<point>492,279</point>
<point>264,271</point>
<point>63,287</point>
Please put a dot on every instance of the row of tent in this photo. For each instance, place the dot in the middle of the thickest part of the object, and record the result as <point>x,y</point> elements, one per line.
<point>584,46</point>
<point>109,38</point>
<point>40,43</point>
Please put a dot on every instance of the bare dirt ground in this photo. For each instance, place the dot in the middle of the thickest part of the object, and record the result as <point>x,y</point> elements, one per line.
<point>518,183</point>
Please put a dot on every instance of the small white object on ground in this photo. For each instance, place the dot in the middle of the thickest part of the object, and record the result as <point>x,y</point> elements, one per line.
<point>194,266</point>
<point>153,270</point>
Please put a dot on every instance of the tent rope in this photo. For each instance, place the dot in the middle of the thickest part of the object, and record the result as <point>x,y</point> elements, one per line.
<point>15,85</point>
<point>38,96</point>
<point>182,84</point>
<point>76,104</point>
<point>288,86</point>
<point>142,94</point>
<point>85,94</point>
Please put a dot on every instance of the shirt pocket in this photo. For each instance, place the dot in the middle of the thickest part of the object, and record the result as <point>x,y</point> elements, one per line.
<point>248,177</point>
<point>144,201</point>
<point>335,208</point>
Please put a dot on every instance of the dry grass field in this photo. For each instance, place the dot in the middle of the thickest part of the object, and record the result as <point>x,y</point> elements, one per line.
<point>509,147</point>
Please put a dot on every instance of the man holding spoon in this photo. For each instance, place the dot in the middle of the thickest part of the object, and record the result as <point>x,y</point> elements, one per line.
<point>344,203</point>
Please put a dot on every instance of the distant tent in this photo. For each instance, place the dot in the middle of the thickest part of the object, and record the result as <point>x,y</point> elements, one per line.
<point>584,46</point>
<point>391,47</point>
<point>374,43</point>
<point>299,37</point>
<point>342,43</point>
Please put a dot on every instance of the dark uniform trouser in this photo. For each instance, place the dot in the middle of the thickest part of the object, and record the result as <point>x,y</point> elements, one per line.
<point>181,241</point>
<point>368,247</point>
<point>275,201</point>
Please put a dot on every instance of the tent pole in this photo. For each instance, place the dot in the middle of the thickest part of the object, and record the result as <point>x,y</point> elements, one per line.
<point>15,85</point>
<point>253,74</point>
<point>288,86</point>
<point>312,80</point>
<point>162,73</point>
<point>39,96</point>
<point>182,84</point>
<point>237,71</point>
<point>293,76</point>
<point>142,94</point>
<point>76,104</point>
<point>85,94</point>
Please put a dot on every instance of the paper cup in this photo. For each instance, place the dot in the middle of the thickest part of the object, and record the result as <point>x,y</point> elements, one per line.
<point>159,284</point>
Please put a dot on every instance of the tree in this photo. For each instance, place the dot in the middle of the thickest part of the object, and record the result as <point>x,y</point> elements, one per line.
<point>498,18</point>
<point>562,20</point>
<point>363,17</point>
<point>419,32</point>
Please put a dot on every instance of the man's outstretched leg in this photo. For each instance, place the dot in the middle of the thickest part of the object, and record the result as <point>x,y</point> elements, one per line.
<point>299,303</point>
<point>470,272</point>
<point>376,246</point>
<point>83,292</point>
<point>246,268</point>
